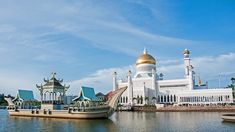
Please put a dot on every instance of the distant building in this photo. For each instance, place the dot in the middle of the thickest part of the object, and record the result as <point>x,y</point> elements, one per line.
<point>101,96</point>
<point>24,99</point>
<point>233,87</point>
<point>69,99</point>
<point>52,93</point>
<point>109,95</point>
<point>86,98</point>
<point>148,87</point>
<point>1,97</point>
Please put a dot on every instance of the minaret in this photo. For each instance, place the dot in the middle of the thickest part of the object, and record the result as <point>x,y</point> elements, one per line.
<point>114,81</point>
<point>188,69</point>
<point>130,88</point>
<point>186,62</point>
<point>154,83</point>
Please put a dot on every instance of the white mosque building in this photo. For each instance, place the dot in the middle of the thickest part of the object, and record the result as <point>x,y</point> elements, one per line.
<point>147,87</point>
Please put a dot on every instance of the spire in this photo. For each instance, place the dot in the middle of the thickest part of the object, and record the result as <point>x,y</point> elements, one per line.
<point>53,74</point>
<point>145,51</point>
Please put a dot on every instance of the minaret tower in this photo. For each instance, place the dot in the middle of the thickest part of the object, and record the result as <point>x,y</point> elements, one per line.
<point>115,81</point>
<point>130,88</point>
<point>188,68</point>
<point>186,62</point>
<point>154,83</point>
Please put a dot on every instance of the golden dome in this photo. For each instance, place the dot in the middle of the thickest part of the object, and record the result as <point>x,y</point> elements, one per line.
<point>145,58</point>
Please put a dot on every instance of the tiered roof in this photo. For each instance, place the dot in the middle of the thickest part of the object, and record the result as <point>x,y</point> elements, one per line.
<point>25,95</point>
<point>86,94</point>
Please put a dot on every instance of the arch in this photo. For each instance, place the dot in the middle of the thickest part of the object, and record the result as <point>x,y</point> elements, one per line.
<point>174,98</point>
<point>47,95</point>
<point>126,99</point>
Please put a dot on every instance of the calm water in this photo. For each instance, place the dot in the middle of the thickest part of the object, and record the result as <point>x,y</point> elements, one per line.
<point>122,121</point>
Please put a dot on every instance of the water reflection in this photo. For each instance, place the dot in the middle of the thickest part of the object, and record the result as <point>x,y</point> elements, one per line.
<point>122,121</point>
<point>59,125</point>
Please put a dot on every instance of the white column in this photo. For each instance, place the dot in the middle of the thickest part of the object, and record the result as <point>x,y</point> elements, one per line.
<point>56,98</point>
<point>154,83</point>
<point>52,96</point>
<point>186,62</point>
<point>130,89</point>
<point>114,81</point>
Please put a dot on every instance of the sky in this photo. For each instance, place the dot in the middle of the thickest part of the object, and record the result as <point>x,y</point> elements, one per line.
<point>84,42</point>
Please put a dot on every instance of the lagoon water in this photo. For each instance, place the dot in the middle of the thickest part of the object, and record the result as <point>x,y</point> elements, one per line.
<point>121,121</point>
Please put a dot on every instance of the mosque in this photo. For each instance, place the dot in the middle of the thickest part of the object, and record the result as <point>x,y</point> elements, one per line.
<point>148,87</point>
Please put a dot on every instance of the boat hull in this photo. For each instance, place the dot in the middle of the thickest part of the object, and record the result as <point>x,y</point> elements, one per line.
<point>228,117</point>
<point>60,114</point>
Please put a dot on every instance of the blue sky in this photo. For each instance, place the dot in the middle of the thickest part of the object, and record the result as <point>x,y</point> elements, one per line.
<point>85,41</point>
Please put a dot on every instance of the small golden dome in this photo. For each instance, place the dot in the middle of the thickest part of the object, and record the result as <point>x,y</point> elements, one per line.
<point>145,58</point>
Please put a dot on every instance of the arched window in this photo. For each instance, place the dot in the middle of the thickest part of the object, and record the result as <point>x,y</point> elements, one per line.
<point>174,98</point>
<point>126,99</point>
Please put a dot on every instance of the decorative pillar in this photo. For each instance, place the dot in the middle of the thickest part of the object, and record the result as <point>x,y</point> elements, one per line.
<point>188,69</point>
<point>130,89</point>
<point>114,81</point>
<point>186,62</point>
<point>154,85</point>
<point>56,98</point>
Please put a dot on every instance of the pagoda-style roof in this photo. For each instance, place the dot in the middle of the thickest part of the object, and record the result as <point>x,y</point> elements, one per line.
<point>86,94</point>
<point>24,95</point>
<point>52,83</point>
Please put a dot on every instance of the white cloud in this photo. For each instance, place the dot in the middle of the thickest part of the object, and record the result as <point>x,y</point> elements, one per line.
<point>101,80</point>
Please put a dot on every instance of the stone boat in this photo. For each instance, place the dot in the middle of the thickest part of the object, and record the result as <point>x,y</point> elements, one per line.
<point>102,111</point>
